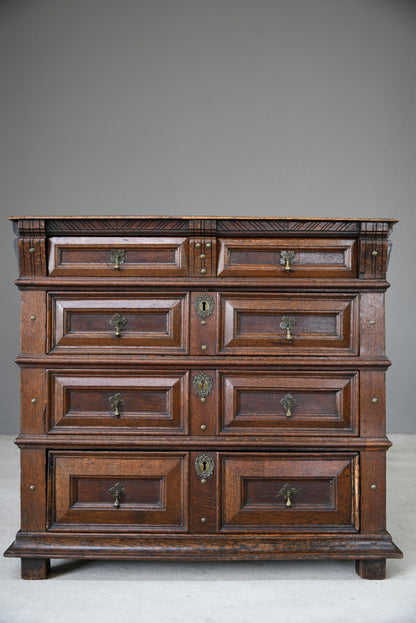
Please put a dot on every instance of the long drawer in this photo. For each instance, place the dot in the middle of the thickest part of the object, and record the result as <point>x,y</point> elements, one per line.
<point>126,256</point>
<point>204,492</point>
<point>233,324</point>
<point>228,402</point>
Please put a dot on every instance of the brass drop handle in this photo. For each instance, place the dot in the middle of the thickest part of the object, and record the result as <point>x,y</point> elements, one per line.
<point>287,259</point>
<point>288,403</point>
<point>287,491</point>
<point>288,323</point>
<point>116,401</point>
<point>118,322</point>
<point>118,258</point>
<point>118,491</point>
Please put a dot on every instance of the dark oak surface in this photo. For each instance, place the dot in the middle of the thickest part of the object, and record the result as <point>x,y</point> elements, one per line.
<point>184,413</point>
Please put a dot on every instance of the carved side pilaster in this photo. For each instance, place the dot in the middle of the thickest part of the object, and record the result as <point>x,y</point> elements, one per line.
<point>374,249</point>
<point>31,246</point>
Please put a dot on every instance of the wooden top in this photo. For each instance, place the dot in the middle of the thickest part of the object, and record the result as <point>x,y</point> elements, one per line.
<point>257,218</point>
<point>145,225</point>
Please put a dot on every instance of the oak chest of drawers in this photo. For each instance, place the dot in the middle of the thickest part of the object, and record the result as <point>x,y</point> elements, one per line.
<point>202,389</point>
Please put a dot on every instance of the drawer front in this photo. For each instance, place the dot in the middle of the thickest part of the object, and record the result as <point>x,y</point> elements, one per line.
<point>267,403</point>
<point>103,323</point>
<point>119,491</point>
<point>307,492</point>
<point>267,324</point>
<point>274,257</point>
<point>118,257</point>
<point>139,403</point>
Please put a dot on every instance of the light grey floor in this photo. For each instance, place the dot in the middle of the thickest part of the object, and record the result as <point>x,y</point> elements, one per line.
<point>284,592</point>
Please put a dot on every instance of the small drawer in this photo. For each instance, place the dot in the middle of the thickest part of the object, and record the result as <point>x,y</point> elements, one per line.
<point>112,491</point>
<point>142,323</point>
<point>287,257</point>
<point>288,324</point>
<point>292,492</point>
<point>273,403</point>
<point>119,402</point>
<point>118,257</point>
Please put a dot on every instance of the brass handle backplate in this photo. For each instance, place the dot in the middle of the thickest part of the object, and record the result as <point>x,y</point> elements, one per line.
<point>204,466</point>
<point>118,491</point>
<point>118,322</point>
<point>288,491</point>
<point>288,323</point>
<point>287,259</point>
<point>203,384</point>
<point>288,403</point>
<point>204,305</point>
<point>116,401</point>
<point>118,258</point>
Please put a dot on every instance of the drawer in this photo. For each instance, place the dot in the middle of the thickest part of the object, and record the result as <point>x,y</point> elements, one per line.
<point>118,257</point>
<point>139,402</point>
<point>288,324</point>
<point>286,257</point>
<point>145,323</point>
<point>269,403</point>
<point>119,491</point>
<point>308,492</point>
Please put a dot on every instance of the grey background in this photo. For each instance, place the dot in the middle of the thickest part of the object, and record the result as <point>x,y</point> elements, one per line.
<point>216,107</point>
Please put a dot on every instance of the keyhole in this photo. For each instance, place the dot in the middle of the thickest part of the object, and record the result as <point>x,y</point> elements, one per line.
<point>204,466</point>
<point>203,306</point>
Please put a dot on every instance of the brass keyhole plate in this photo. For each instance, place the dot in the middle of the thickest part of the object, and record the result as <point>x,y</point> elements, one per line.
<point>204,466</point>
<point>204,305</point>
<point>203,384</point>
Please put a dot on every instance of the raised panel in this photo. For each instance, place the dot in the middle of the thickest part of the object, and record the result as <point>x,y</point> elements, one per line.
<point>146,402</point>
<point>325,494</point>
<point>152,323</point>
<point>92,256</point>
<point>154,493</point>
<point>266,257</point>
<point>252,324</point>
<point>321,403</point>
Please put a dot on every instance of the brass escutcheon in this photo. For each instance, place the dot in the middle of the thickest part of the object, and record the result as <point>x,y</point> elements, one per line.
<point>204,466</point>
<point>204,305</point>
<point>203,384</point>
<point>117,257</point>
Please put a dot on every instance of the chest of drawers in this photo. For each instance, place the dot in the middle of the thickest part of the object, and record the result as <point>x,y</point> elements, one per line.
<point>202,389</point>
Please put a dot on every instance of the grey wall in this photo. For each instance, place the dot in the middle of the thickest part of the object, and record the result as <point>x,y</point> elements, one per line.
<point>229,107</point>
